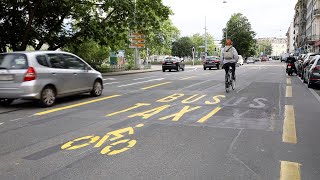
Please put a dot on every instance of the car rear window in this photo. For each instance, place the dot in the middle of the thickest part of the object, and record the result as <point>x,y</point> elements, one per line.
<point>13,61</point>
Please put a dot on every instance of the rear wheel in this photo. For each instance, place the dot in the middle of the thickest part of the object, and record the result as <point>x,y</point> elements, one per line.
<point>204,68</point>
<point>6,102</point>
<point>97,89</point>
<point>48,97</point>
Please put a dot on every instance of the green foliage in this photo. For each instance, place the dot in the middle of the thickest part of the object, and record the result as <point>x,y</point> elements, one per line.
<point>265,47</point>
<point>199,40</point>
<point>62,22</point>
<point>240,32</point>
<point>91,52</point>
<point>182,47</point>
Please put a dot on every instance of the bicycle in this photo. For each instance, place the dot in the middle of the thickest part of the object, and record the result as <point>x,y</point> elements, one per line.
<point>230,82</point>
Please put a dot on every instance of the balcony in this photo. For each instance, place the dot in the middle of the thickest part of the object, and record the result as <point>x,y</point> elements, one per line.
<point>312,39</point>
<point>316,12</point>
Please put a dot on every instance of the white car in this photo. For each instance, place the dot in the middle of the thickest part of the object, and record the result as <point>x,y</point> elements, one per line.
<point>250,60</point>
<point>240,60</point>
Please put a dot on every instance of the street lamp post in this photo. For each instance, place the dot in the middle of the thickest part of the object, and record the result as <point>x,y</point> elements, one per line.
<point>206,40</point>
<point>225,2</point>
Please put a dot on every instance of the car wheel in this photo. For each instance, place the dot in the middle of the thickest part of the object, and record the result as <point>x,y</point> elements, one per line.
<point>97,89</point>
<point>204,68</point>
<point>48,97</point>
<point>163,70</point>
<point>6,102</point>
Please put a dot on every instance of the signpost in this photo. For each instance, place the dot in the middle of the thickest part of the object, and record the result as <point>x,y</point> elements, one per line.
<point>193,51</point>
<point>137,41</point>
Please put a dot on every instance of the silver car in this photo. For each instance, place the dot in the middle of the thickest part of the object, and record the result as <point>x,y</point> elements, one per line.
<point>45,76</point>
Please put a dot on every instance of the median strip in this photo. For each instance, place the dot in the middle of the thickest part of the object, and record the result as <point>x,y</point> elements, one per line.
<point>290,171</point>
<point>156,85</point>
<point>289,126</point>
<point>75,105</point>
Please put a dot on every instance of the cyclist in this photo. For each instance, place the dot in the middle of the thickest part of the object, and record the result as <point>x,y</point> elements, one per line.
<point>229,57</point>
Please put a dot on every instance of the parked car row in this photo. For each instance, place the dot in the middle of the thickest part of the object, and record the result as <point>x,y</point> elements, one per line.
<point>308,67</point>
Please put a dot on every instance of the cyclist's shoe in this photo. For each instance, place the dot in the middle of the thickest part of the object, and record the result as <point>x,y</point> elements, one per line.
<point>234,78</point>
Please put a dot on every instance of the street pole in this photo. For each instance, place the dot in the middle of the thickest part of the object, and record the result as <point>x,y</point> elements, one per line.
<point>136,52</point>
<point>205,36</point>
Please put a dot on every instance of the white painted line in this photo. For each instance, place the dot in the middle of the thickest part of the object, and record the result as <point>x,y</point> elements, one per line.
<point>141,82</point>
<point>1,123</point>
<point>16,119</point>
<point>109,79</point>
<point>111,83</point>
<point>144,78</point>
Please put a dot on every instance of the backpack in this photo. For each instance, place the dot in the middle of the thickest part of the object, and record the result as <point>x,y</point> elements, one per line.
<point>227,54</point>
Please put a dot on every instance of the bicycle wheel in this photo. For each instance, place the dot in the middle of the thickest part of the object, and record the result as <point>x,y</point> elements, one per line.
<point>227,83</point>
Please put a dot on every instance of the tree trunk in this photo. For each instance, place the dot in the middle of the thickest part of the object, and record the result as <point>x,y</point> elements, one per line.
<point>38,47</point>
<point>29,26</point>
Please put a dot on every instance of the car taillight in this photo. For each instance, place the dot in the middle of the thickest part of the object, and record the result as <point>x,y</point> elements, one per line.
<point>30,74</point>
<point>216,61</point>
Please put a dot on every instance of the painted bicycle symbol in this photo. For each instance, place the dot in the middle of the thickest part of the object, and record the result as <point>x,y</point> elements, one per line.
<point>115,137</point>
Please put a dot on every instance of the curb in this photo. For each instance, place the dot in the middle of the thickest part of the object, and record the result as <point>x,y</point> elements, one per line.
<point>128,72</point>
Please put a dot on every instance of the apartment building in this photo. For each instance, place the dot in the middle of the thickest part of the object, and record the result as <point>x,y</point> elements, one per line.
<point>313,25</point>
<point>290,39</point>
<point>299,23</point>
<point>279,45</point>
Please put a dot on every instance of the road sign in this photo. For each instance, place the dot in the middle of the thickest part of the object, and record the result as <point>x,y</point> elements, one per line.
<point>137,40</point>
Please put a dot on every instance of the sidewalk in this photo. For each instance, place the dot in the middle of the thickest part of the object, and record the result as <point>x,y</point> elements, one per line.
<point>154,68</point>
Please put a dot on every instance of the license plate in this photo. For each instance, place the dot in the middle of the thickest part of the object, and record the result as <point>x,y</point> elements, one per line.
<point>289,67</point>
<point>210,62</point>
<point>6,77</point>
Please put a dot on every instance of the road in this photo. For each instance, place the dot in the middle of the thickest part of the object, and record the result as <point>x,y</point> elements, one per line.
<point>170,125</point>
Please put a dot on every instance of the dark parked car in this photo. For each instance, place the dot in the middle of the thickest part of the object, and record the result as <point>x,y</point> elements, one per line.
<point>312,73</point>
<point>211,62</point>
<point>170,63</point>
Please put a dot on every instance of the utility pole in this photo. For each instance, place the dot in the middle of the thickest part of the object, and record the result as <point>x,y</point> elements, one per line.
<point>205,36</point>
<point>136,52</point>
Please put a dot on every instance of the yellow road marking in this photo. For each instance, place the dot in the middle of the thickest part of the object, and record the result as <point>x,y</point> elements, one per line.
<point>288,81</point>
<point>289,126</point>
<point>187,78</point>
<point>178,115</point>
<point>128,109</point>
<point>205,118</point>
<point>75,105</point>
<point>290,171</point>
<point>156,85</point>
<point>289,91</point>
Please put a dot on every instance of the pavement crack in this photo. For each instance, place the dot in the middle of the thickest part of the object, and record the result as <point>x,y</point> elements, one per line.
<point>237,159</point>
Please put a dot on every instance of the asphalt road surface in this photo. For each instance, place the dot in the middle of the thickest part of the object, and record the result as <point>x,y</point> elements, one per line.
<point>170,125</point>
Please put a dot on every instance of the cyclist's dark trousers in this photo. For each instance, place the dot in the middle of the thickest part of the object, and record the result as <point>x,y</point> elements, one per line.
<point>227,66</point>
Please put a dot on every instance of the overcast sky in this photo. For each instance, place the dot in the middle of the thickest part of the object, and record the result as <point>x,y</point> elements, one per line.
<point>269,18</point>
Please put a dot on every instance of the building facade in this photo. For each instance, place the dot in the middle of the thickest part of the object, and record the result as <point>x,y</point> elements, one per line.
<point>279,45</point>
<point>290,39</point>
<point>300,22</point>
<point>313,25</point>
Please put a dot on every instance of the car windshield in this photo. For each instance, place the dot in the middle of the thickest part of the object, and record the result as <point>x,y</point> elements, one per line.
<point>13,61</point>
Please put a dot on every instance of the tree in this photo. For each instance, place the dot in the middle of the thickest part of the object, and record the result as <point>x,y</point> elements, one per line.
<point>265,47</point>
<point>199,40</point>
<point>91,52</point>
<point>182,47</point>
<point>240,32</point>
<point>61,22</point>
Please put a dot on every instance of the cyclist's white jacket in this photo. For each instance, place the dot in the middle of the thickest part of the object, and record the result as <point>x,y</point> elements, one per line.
<point>235,55</point>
